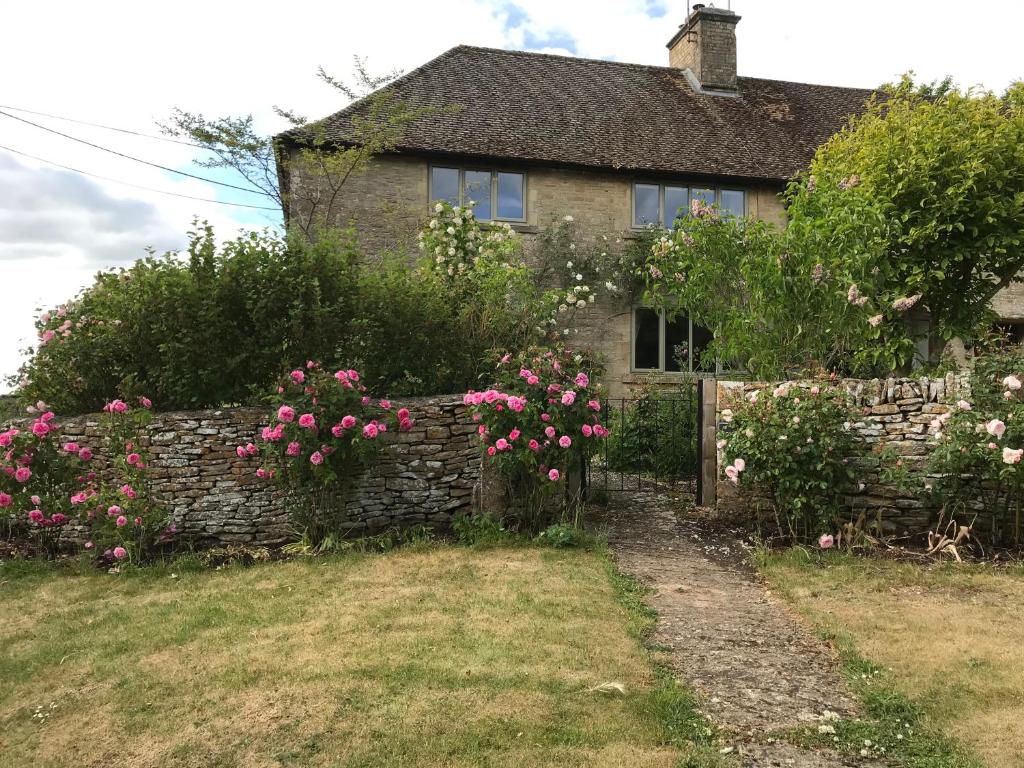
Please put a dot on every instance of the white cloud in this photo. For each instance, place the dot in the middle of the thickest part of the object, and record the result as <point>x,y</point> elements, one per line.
<point>127,64</point>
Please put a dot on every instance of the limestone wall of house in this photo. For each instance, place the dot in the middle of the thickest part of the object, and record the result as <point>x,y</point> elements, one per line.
<point>424,476</point>
<point>896,412</point>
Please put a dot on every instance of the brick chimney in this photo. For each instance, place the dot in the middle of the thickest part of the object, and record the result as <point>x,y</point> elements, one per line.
<point>706,45</point>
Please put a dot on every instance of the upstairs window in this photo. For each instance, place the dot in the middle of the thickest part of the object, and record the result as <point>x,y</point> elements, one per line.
<point>661,204</point>
<point>496,195</point>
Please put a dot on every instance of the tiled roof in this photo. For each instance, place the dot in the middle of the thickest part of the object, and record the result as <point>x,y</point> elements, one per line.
<point>584,112</point>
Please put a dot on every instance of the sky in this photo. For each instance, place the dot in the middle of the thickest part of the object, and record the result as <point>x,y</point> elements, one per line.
<point>127,65</point>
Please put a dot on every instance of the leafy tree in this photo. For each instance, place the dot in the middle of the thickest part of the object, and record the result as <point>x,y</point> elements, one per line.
<point>904,227</point>
<point>929,180</point>
<point>323,165</point>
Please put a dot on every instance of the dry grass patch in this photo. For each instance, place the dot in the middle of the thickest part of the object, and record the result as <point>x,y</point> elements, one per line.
<point>952,636</point>
<point>449,657</point>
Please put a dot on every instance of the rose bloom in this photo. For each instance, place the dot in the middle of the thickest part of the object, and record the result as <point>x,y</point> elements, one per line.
<point>22,474</point>
<point>6,499</point>
<point>826,541</point>
<point>348,422</point>
<point>306,421</point>
<point>594,405</point>
<point>587,430</point>
<point>405,425</point>
<point>565,441</point>
<point>85,454</point>
<point>995,427</point>
<point>568,398</point>
<point>298,376</point>
<point>502,444</point>
<point>70,447</point>
<point>293,449</point>
<point>582,380</point>
<point>286,413</point>
<point>121,521</point>
<point>385,404</point>
<point>1012,383</point>
<point>534,445</point>
<point>514,434</point>
<point>120,553</point>
<point>545,417</point>
<point>240,452</point>
<point>1012,456</point>
<point>316,458</point>
<point>133,458</point>
<point>549,431</point>
<point>532,380</point>
<point>491,451</point>
<point>36,516</point>
<point>553,475</point>
<point>403,414</point>
<point>370,430</point>
<point>39,429</point>
<point>145,402</point>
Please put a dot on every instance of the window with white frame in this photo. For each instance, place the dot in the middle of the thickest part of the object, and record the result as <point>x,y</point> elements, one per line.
<point>661,204</point>
<point>496,195</point>
<point>668,345</point>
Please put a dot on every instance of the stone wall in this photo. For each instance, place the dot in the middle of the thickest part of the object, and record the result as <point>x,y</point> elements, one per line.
<point>424,476</point>
<point>896,412</point>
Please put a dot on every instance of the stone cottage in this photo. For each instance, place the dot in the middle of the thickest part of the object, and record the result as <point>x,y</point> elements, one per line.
<point>616,146</point>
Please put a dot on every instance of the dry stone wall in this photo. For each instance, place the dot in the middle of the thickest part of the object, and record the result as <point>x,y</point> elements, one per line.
<point>895,411</point>
<point>422,477</point>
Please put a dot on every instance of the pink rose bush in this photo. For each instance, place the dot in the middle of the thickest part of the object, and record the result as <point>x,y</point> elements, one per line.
<point>793,446</point>
<point>325,427</point>
<point>48,482</point>
<point>541,418</point>
<point>977,447</point>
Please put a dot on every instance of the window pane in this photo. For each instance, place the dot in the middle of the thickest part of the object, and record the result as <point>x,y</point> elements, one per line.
<point>676,203</point>
<point>478,191</point>
<point>646,205</point>
<point>510,196</point>
<point>677,344</point>
<point>701,339</point>
<point>707,196</point>
<point>444,185</point>
<point>733,203</point>
<point>646,330</point>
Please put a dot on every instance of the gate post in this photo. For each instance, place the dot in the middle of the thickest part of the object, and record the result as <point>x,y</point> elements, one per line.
<point>707,471</point>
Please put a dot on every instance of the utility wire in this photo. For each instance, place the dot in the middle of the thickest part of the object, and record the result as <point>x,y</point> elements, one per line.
<point>136,159</point>
<point>137,186</point>
<point>106,127</point>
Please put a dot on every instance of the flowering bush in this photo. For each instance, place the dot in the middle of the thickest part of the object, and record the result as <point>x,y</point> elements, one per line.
<point>539,421</point>
<point>49,482</point>
<point>793,445</point>
<point>324,428</point>
<point>977,454</point>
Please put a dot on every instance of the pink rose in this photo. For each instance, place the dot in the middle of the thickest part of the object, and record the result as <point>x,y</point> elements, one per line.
<point>39,429</point>
<point>826,541</point>
<point>70,447</point>
<point>261,473</point>
<point>740,465</point>
<point>353,375</point>
<point>128,491</point>
<point>85,454</point>
<point>385,404</point>
<point>594,405</point>
<point>306,421</point>
<point>337,430</point>
<point>532,380</point>
<point>286,413</point>
<point>251,449</point>
<point>22,474</point>
<point>133,458</point>
<point>534,445</point>
<point>403,414</point>
<point>365,400</point>
<point>549,431</point>
<point>240,452</point>
<point>6,499</point>
<point>36,516</point>
<point>113,510</point>
<point>587,430</point>
<point>370,431</point>
<point>1012,456</point>
<point>88,545</point>
<point>491,450</point>
<point>120,553</point>
<point>316,458</point>
<point>565,441</point>
<point>553,475</point>
<point>404,425</point>
<point>568,398</point>
<point>121,521</point>
<point>502,444</point>
<point>298,376</point>
<point>582,380</point>
<point>545,417</point>
<point>995,428</point>
<point>514,434</point>
<point>348,421</point>
<point>145,402</point>
<point>293,449</point>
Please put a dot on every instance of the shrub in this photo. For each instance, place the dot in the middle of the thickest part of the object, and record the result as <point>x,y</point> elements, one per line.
<point>325,429</point>
<point>562,536</point>
<point>978,450</point>
<point>482,529</point>
<point>794,447</point>
<point>540,421</point>
<point>49,482</point>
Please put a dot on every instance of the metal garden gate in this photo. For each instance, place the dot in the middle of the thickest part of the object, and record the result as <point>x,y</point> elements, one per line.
<point>655,442</point>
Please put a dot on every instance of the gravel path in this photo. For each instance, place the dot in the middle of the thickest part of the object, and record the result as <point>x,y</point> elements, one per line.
<point>756,668</point>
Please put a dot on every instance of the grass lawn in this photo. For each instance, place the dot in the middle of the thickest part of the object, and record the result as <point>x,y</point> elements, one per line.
<point>436,657</point>
<point>950,637</point>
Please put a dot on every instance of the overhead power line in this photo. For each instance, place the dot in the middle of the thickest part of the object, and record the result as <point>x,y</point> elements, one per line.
<point>105,127</point>
<point>137,186</point>
<point>136,159</point>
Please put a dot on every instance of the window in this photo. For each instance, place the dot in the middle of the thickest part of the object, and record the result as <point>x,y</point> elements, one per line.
<point>666,345</point>
<point>496,195</point>
<point>662,204</point>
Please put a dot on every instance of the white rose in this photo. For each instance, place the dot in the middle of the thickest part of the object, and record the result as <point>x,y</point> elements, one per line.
<point>581,304</point>
<point>568,265</point>
<point>433,223</point>
<point>438,208</point>
<point>450,230</point>
<point>569,219</point>
<point>579,276</point>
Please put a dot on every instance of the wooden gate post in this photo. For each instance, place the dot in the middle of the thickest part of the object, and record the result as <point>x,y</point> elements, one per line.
<point>707,483</point>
